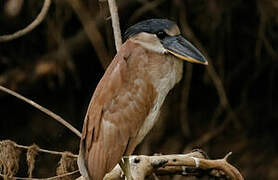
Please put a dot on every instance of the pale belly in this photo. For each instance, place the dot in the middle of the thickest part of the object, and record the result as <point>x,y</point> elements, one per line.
<point>148,124</point>
<point>163,86</point>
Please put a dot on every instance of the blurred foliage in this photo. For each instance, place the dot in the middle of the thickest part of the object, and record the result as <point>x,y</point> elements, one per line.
<point>229,106</point>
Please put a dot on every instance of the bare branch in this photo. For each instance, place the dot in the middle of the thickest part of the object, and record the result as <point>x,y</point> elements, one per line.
<point>46,111</point>
<point>30,27</point>
<point>115,23</point>
<point>142,166</point>
<point>7,146</point>
<point>45,150</point>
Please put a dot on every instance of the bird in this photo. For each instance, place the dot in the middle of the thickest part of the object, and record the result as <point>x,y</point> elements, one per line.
<point>127,100</point>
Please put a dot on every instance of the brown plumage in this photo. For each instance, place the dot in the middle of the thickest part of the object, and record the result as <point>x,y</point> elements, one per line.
<point>126,103</point>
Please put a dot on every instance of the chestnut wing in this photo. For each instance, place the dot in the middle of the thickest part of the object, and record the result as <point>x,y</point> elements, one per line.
<point>119,106</point>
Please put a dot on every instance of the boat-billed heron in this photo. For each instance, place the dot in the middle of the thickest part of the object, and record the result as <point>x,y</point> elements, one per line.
<point>127,100</point>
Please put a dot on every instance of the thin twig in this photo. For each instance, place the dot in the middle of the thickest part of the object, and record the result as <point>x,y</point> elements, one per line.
<point>46,111</point>
<point>45,150</point>
<point>50,178</point>
<point>30,27</point>
<point>115,23</point>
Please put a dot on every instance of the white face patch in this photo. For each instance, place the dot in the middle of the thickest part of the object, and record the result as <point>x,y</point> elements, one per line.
<point>149,41</point>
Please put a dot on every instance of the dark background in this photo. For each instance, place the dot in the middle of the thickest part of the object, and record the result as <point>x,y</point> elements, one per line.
<point>230,105</point>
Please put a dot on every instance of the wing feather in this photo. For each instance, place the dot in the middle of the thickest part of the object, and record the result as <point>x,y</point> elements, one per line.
<point>118,108</point>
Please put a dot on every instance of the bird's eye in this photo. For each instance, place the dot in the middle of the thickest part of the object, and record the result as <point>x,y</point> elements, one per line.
<point>161,34</point>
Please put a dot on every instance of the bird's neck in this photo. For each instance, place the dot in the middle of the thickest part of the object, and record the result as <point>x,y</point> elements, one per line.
<point>165,70</point>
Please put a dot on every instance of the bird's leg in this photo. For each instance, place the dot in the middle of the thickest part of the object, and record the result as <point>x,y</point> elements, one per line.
<point>122,165</point>
<point>125,166</point>
<point>128,171</point>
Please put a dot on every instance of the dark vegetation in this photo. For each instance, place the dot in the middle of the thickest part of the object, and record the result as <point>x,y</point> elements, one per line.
<point>231,105</point>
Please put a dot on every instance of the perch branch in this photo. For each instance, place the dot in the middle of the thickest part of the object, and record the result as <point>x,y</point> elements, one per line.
<point>115,23</point>
<point>142,166</point>
<point>185,160</point>
<point>46,111</point>
<point>30,27</point>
